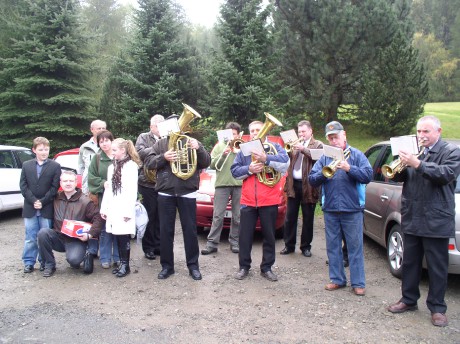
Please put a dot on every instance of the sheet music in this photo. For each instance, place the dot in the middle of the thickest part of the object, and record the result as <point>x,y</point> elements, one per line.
<point>333,152</point>
<point>289,136</point>
<point>316,153</point>
<point>252,146</point>
<point>406,143</point>
<point>168,126</point>
<point>225,135</point>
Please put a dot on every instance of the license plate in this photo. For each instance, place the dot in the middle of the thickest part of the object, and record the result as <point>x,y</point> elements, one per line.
<point>228,214</point>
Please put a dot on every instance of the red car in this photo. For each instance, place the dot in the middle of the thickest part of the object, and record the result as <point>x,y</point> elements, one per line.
<point>69,161</point>
<point>205,199</point>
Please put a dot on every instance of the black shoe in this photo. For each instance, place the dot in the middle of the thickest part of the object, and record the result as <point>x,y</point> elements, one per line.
<point>88,263</point>
<point>123,270</point>
<point>150,255</point>
<point>48,272</point>
<point>42,267</point>
<point>242,274</point>
<point>196,274</point>
<point>269,275</point>
<point>28,269</point>
<point>306,253</point>
<point>165,273</point>
<point>208,250</point>
<point>286,250</point>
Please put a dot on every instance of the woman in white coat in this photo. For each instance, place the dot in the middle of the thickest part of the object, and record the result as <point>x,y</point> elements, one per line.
<point>119,201</point>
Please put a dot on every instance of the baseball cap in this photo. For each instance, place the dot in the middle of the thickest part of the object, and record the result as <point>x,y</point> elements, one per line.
<point>333,128</point>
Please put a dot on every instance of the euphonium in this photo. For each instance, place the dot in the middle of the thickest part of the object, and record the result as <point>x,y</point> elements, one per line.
<point>184,166</point>
<point>234,146</point>
<point>269,176</point>
<point>397,166</point>
<point>329,170</point>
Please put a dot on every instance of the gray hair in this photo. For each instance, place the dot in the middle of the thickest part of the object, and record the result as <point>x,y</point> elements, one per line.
<point>156,119</point>
<point>434,119</point>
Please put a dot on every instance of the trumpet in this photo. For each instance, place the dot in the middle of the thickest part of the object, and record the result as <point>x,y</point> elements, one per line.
<point>235,148</point>
<point>289,145</point>
<point>329,170</point>
<point>397,166</point>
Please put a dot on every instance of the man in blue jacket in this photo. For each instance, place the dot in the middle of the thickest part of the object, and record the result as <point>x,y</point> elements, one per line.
<point>343,198</point>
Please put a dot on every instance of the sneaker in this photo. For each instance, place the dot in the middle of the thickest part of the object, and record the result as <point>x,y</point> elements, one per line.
<point>208,250</point>
<point>28,269</point>
<point>48,272</point>
<point>105,265</point>
<point>235,249</point>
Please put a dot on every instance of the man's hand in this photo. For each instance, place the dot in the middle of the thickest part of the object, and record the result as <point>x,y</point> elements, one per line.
<point>170,155</point>
<point>193,144</point>
<point>344,165</point>
<point>85,237</point>
<point>409,159</point>
<point>259,156</point>
<point>37,204</point>
<point>256,167</point>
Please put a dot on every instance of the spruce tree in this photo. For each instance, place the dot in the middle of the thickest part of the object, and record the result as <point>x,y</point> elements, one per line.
<point>242,84</point>
<point>44,84</point>
<point>326,45</point>
<point>152,75</point>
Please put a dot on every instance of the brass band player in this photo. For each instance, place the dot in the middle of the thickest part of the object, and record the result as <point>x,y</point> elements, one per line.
<point>177,193</point>
<point>226,187</point>
<point>299,191</point>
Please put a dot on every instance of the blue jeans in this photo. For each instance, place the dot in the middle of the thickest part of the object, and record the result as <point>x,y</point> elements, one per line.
<point>33,225</point>
<point>108,248</point>
<point>350,225</point>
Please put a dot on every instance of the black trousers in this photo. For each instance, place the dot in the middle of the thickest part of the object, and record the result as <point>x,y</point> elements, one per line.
<point>248,220</point>
<point>151,239</point>
<point>167,206</point>
<point>290,225</point>
<point>436,253</point>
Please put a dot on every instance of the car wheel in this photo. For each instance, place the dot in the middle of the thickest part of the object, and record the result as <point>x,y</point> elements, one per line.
<point>395,251</point>
<point>279,233</point>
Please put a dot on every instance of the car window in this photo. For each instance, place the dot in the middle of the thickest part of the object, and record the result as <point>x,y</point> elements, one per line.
<point>24,155</point>
<point>69,161</point>
<point>6,159</point>
<point>372,154</point>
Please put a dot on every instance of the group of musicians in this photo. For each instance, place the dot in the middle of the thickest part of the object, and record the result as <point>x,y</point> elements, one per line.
<point>248,180</point>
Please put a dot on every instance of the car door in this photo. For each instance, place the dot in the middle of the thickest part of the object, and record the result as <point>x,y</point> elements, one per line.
<point>380,193</point>
<point>10,195</point>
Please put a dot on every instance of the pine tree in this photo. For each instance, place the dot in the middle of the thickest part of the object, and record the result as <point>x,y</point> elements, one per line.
<point>153,74</point>
<point>44,89</point>
<point>242,84</point>
<point>326,45</point>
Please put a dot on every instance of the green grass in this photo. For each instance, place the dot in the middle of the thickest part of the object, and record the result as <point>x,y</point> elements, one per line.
<point>448,114</point>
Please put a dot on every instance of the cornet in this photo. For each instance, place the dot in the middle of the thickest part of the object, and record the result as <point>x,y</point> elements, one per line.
<point>329,170</point>
<point>289,145</point>
<point>235,148</point>
<point>397,166</point>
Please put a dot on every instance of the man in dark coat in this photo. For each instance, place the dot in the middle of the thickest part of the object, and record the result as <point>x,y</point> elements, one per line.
<point>428,218</point>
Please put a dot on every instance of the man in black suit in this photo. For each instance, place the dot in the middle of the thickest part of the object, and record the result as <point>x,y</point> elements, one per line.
<point>39,184</point>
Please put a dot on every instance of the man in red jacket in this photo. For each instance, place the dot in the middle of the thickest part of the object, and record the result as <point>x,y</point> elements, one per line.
<point>258,201</point>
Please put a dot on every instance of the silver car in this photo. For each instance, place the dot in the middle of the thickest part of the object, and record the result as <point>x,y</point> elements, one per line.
<point>382,214</point>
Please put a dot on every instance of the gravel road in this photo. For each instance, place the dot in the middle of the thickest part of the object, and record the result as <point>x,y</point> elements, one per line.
<point>74,308</point>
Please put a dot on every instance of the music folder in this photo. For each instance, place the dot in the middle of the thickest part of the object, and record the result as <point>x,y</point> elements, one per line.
<point>251,146</point>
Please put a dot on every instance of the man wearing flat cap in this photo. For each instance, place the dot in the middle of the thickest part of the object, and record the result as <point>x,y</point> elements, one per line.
<point>343,198</point>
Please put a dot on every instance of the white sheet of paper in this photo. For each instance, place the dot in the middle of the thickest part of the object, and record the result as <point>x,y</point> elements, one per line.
<point>406,143</point>
<point>252,146</point>
<point>225,135</point>
<point>289,136</point>
<point>333,152</point>
<point>168,126</point>
<point>316,153</point>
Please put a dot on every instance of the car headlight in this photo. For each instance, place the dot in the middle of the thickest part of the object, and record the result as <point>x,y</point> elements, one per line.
<point>201,197</point>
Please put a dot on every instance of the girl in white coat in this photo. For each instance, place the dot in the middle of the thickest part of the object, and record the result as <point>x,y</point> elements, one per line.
<point>119,201</point>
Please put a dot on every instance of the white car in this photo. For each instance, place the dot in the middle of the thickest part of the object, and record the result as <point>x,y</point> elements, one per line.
<point>11,160</point>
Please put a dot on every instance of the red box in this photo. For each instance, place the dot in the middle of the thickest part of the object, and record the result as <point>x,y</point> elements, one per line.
<point>74,228</point>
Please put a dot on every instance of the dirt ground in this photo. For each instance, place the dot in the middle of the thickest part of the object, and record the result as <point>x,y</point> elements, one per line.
<point>74,308</point>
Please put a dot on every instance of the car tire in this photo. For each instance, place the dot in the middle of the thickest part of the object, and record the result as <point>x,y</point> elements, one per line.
<point>395,251</point>
<point>279,233</point>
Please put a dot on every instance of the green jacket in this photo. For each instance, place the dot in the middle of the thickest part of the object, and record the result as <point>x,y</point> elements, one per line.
<point>223,177</point>
<point>97,174</point>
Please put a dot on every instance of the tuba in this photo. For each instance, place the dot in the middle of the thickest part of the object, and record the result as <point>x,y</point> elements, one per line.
<point>185,164</point>
<point>329,170</point>
<point>269,176</point>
